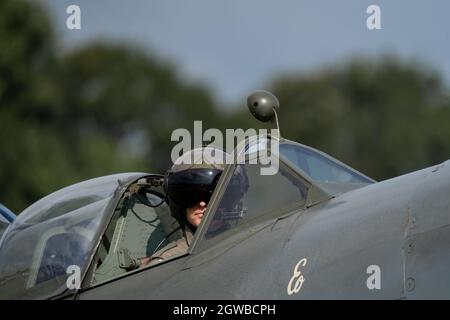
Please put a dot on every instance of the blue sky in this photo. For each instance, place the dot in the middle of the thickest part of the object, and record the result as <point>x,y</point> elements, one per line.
<point>235,46</point>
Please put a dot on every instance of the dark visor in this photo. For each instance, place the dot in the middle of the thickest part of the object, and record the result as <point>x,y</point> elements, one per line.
<point>189,187</point>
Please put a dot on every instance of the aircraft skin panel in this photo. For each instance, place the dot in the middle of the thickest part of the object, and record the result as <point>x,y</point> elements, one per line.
<point>427,255</point>
<point>142,284</point>
<point>352,234</point>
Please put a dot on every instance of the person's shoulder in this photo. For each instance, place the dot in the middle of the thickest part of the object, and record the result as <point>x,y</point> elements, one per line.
<point>174,248</point>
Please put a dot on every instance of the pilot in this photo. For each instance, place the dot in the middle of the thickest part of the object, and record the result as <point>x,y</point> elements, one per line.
<point>189,186</point>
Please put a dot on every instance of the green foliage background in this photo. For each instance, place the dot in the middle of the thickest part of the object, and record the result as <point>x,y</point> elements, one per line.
<point>108,108</point>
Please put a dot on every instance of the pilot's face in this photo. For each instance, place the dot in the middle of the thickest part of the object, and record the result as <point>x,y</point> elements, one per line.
<point>194,215</point>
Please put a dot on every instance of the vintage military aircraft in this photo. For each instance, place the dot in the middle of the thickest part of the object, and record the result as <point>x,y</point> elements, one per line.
<point>317,229</point>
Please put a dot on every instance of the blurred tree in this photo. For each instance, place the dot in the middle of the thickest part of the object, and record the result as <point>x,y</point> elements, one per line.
<point>27,49</point>
<point>99,110</point>
<point>121,94</point>
<point>27,98</point>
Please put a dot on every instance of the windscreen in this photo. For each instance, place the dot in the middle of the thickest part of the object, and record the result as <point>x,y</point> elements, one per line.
<point>319,167</point>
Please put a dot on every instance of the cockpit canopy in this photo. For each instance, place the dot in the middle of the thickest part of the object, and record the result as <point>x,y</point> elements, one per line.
<point>56,232</point>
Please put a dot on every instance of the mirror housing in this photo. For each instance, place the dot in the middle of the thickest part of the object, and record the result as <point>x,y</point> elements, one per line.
<point>262,104</point>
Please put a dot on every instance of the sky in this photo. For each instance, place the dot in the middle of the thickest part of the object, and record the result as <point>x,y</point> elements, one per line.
<point>236,46</point>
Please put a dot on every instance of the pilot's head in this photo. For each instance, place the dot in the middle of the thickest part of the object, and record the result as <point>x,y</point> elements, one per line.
<point>190,183</point>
